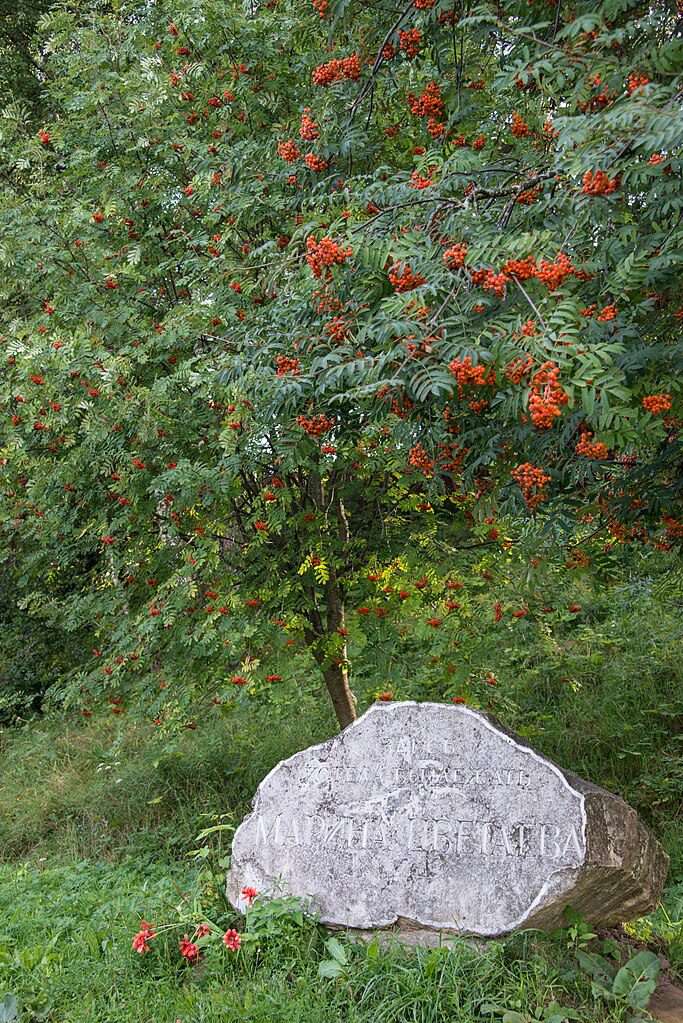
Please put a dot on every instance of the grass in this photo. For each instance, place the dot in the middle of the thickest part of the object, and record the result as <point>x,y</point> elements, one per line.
<point>66,954</point>
<point>98,814</point>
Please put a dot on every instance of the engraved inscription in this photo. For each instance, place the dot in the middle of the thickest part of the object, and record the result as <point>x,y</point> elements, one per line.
<point>423,812</point>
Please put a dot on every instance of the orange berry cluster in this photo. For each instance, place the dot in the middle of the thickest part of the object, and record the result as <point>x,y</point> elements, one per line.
<point>655,403</point>
<point>337,70</point>
<point>314,426</point>
<point>424,5</point>
<point>528,197</point>
<point>467,374</point>
<point>315,163</point>
<point>599,183</point>
<point>420,182</point>
<point>419,459</point>
<point>522,269</point>
<point>455,256</point>
<point>495,282</point>
<point>606,314</point>
<point>520,129</point>
<point>321,6</point>
<point>428,104</point>
<point>337,329</point>
<point>516,370</point>
<point>410,42</point>
<point>547,395</point>
<point>531,481</point>
<point>553,274</point>
<point>591,448</point>
<point>308,130</point>
<point>288,150</point>
<point>635,81</point>
<point>324,254</point>
<point>405,279</point>
<point>287,366</point>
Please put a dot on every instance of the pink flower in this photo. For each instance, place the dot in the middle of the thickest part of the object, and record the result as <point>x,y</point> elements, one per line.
<point>232,940</point>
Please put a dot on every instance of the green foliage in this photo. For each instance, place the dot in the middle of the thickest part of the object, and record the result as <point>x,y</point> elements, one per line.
<point>66,953</point>
<point>241,367</point>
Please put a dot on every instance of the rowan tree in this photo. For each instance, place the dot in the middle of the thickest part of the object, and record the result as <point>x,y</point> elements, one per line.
<point>299,295</point>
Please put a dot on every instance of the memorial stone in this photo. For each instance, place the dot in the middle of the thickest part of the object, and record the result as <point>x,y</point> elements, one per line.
<point>429,818</point>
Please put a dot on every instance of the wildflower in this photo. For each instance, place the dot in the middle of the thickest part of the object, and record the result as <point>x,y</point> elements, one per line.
<point>140,942</point>
<point>232,940</point>
<point>248,894</point>
<point>188,949</point>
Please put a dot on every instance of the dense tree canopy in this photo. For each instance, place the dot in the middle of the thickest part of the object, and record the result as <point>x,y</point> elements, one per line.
<point>302,298</point>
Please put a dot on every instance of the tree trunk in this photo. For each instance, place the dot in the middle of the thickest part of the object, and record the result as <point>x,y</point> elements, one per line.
<point>343,700</point>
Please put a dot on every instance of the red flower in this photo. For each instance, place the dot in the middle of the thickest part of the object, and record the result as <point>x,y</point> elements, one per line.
<point>261,526</point>
<point>202,930</point>
<point>273,678</point>
<point>458,699</point>
<point>141,940</point>
<point>232,940</point>
<point>249,894</point>
<point>107,540</point>
<point>188,949</point>
<point>239,680</point>
<point>385,697</point>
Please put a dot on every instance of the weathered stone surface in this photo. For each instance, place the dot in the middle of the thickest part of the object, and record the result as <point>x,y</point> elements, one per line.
<point>431,818</point>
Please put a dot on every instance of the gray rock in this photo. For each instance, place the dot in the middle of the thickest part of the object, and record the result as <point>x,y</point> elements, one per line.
<point>430,818</point>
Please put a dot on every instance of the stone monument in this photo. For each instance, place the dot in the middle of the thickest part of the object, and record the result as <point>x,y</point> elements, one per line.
<point>430,819</point>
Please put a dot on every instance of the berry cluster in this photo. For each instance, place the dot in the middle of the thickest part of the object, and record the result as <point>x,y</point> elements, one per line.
<point>428,104</point>
<point>635,81</point>
<point>467,374</point>
<point>591,448</point>
<point>531,481</point>
<point>287,366</point>
<point>404,279</point>
<point>337,329</point>
<point>288,150</point>
<point>522,269</point>
<point>520,129</point>
<point>324,254</point>
<point>495,282</point>
<point>308,129</point>
<point>599,183</point>
<point>315,426</point>
<point>656,403</point>
<point>419,459</point>
<point>528,197</point>
<point>516,370</point>
<point>547,395</point>
<point>455,256</point>
<point>337,70</point>
<point>315,163</point>
<point>606,314</point>
<point>419,181</point>
<point>553,274</point>
<point>410,42</point>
